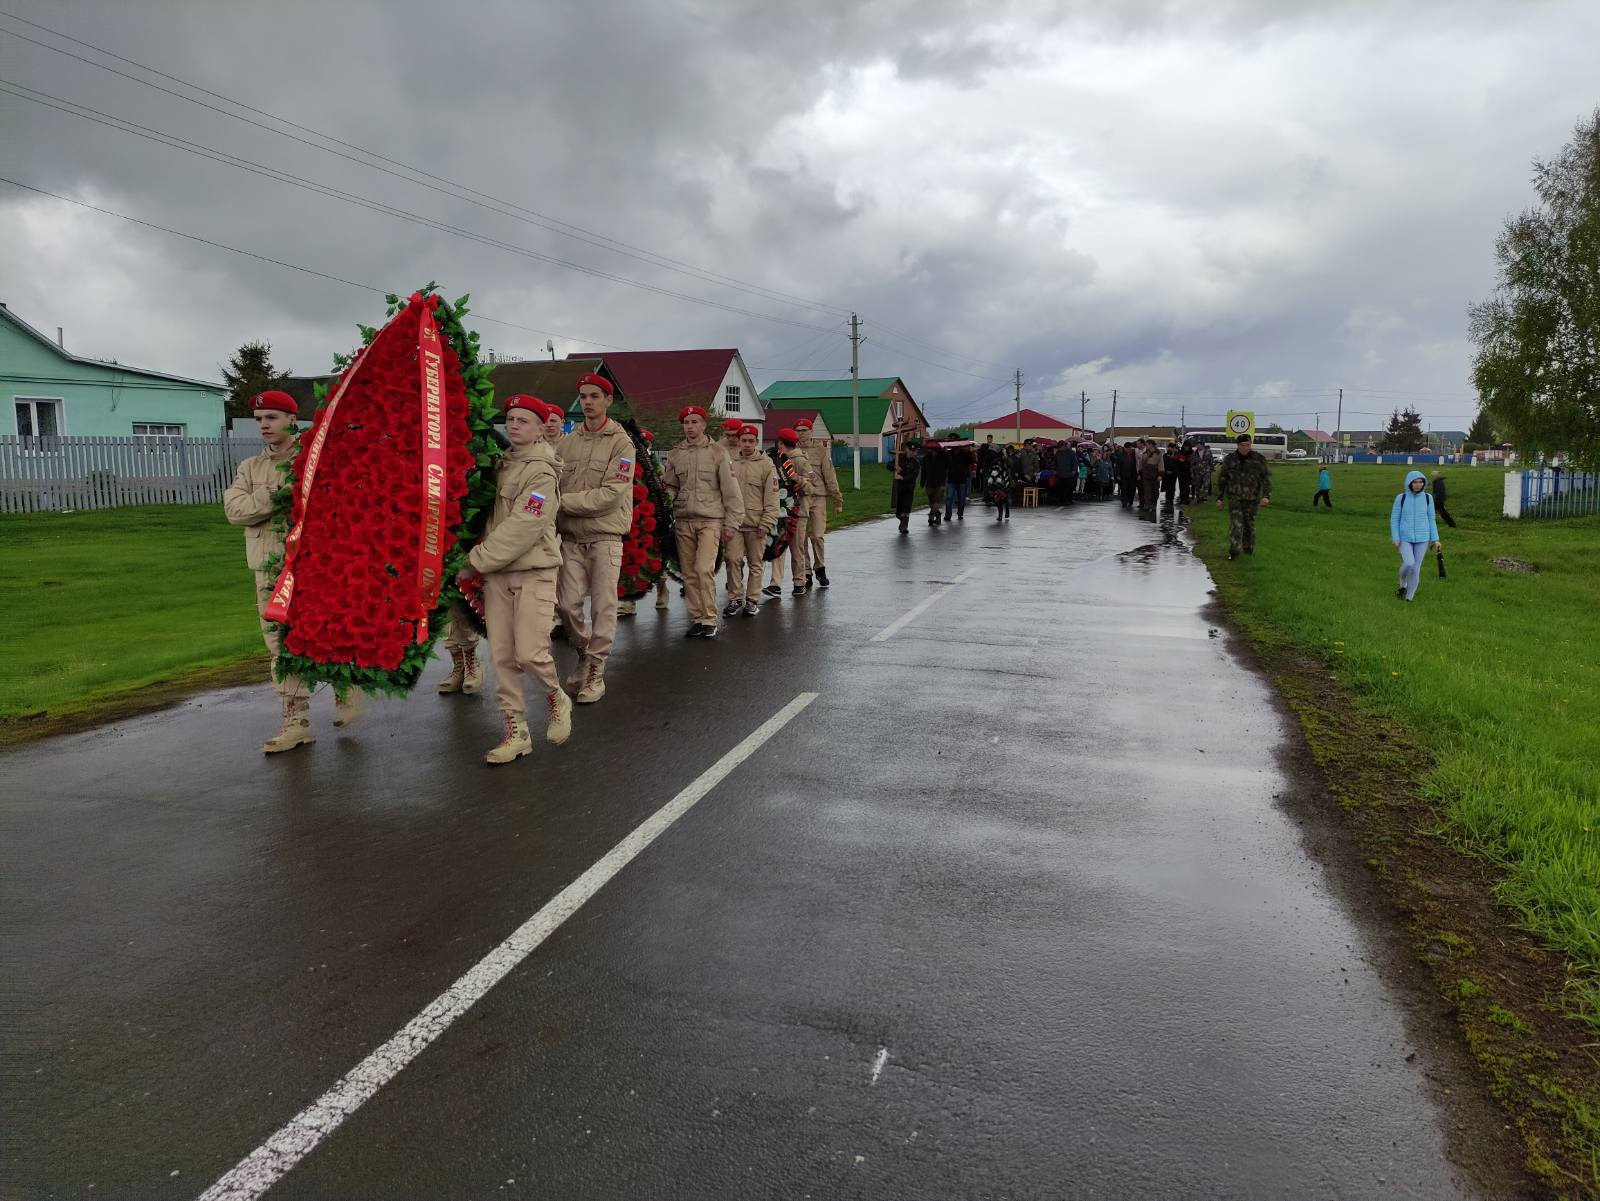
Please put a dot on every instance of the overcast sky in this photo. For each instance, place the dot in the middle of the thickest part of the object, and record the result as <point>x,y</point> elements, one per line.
<point>1246,204</point>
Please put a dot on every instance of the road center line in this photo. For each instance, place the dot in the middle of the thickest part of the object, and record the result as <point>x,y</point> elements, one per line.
<point>877,1064</point>
<point>268,1163</point>
<point>918,609</point>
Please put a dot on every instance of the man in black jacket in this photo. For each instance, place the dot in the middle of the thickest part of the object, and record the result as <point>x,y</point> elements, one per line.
<point>935,476</point>
<point>1438,500</point>
<point>1066,466</point>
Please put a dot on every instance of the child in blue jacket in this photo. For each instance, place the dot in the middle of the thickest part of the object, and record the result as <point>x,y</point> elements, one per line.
<point>1324,490</point>
<point>1411,527</point>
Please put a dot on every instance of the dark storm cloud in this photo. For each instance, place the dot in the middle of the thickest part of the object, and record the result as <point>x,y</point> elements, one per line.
<point>1191,198</point>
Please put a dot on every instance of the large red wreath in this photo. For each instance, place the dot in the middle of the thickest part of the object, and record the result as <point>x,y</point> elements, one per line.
<point>381,503</point>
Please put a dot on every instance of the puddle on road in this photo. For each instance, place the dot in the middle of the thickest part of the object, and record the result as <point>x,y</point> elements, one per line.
<point>1171,526</point>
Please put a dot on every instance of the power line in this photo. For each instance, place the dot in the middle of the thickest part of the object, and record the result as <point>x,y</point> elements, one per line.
<point>338,279</point>
<point>73,108</point>
<point>460,192</point>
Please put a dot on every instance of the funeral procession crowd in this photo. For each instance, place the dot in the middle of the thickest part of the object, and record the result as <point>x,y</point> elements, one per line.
<point>551,560</point>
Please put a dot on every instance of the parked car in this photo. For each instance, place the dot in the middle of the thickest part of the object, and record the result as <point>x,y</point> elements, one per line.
<point>1296,453</point>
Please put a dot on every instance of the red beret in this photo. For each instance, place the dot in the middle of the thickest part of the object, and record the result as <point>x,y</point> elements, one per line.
<point>280,401</point>
<point>647,435</point>
<point>599,381</point>
<point>788,435</point>
<point>688,409</point>
<point>732,424</point>
<point>551,410</point>
<point>803,424</point>
<point>531,404</point>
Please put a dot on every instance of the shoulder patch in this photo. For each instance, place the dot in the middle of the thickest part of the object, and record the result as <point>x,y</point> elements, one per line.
<point>534,505</point>
<point>624,469</point>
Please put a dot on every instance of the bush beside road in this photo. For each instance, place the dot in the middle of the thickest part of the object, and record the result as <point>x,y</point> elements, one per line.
<point>1465,721</point>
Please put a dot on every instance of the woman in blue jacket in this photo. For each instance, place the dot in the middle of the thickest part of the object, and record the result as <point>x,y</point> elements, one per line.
<point>1411,527</point>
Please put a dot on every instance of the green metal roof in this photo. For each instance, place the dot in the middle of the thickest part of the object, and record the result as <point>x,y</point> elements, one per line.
<point>824,389</point>
<point>831,398</point>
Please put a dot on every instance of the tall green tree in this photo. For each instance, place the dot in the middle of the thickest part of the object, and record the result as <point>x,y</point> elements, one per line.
<point>249,372</point>
<point>1482,433</point>
<point>1404,435</point>
<point>1537,367</point>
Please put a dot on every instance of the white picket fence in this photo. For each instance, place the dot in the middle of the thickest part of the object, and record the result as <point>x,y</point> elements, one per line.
<point>61,474</point>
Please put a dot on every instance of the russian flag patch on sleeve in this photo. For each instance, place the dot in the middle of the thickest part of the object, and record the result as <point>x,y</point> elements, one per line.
<point>534,505</point>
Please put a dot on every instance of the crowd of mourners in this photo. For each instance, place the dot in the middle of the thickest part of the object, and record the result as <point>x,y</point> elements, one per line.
<point>1068,471</point>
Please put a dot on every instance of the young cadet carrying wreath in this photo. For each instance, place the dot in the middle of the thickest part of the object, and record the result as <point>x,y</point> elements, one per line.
<point>518,558</point>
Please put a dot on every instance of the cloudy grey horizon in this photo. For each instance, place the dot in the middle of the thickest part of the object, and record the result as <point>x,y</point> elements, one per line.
<point>1208,206</point>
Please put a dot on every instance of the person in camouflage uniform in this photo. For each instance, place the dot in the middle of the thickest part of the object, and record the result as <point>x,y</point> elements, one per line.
<point>1245,484</point>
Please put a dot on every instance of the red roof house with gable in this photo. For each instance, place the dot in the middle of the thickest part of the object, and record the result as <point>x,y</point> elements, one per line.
<point>664,381</point>
<point>1034,425</point>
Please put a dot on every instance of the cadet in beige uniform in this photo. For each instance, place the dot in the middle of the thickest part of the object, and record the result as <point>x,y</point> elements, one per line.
<point>758,486</point>
<point>707,508</point>
<point>461,642</point>
<point>821,459</point>
<point>731,427</point>
<point>806,482</point>
<point>248,502</point>
<point>596,513</point>
<point>518,558</point>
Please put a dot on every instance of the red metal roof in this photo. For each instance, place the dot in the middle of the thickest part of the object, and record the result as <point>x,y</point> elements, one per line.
<point>1032,419</point>
<point>667,379</point>
<point>777,419</point>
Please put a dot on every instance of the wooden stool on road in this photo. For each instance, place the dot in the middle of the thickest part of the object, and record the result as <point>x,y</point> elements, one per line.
<point>1030,497</point>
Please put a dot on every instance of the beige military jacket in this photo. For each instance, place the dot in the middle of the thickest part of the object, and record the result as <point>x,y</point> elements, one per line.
<point>596,482</point>
<point>700,481</point>
<point>248,502</point>
<point>758,487</point>
<point>820,456</point>
<point>521,535</point>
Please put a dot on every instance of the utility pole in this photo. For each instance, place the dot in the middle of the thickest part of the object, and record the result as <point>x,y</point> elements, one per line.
<point>1019,403</point>
<point>1338,424</point>
<point>855,395</point>
<point>1112,436</point>
<point>1083,410</point>
<point>1183,419</point>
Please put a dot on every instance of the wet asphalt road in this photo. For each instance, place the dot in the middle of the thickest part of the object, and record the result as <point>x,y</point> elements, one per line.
<point>1022,857</point>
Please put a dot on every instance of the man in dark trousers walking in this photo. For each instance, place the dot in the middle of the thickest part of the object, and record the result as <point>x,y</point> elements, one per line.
<point>935,477</point>
<point>1245,485</point>
<point>1438,500</point>
<point>906,469</point>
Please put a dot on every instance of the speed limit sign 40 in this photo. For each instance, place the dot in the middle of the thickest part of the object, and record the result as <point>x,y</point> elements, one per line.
<point>1241,422</point>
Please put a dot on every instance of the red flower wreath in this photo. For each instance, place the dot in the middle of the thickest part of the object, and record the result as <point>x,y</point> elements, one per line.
<point>356,601</point>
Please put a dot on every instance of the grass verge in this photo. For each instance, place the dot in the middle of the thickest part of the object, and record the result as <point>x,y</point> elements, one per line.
<point>1461,732</point>
<point>101,607</point>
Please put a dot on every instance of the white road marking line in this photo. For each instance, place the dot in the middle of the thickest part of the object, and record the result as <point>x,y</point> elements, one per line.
<point>268,1163</point>
<point>917,610</point>
<point>877,1064</point>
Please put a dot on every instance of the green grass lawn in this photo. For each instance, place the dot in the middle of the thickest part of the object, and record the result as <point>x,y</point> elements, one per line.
<point>1496,673</point>
<point>98,605</point>
<point>874,499</point>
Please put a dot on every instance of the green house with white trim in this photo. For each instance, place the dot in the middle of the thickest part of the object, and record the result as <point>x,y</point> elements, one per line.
<point>881,398</point>
<point>50,393</point>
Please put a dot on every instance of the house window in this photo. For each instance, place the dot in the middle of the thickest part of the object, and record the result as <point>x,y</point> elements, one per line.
<point>730,399</point>
<point>157,429</point>
<point>39,422</point>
